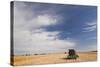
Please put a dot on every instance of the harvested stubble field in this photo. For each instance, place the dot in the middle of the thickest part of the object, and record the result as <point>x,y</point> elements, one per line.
<point>52,58</point>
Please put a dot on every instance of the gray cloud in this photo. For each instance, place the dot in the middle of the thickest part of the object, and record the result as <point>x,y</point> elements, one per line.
<point>29,38</point>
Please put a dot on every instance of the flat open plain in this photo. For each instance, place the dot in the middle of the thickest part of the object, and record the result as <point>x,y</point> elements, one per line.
<point>53,58</point>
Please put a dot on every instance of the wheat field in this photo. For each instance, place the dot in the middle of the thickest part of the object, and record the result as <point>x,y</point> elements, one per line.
<point>52,58</point>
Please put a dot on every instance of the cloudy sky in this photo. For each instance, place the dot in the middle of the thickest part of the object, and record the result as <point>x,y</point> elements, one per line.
<point>47,28</point>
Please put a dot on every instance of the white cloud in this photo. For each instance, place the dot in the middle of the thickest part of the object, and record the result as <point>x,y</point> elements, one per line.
<point>40,42</point>
<point>28,37</point>
<point>90,26</point>
<point>46,19</point>
<point>26,16</point>
<point>44,39</point>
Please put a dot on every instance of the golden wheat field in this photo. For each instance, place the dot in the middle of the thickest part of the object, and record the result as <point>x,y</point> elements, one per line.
<point>52,58</point>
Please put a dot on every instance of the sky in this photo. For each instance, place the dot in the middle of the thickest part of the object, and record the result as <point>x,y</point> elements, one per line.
<point>50,28</point>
